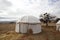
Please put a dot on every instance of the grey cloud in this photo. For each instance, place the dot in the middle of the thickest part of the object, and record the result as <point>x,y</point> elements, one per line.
<point>36,8</point>
<point>56,8</point>
<point>18,12</point>
<point>52,2</point>
<point>4,4</point>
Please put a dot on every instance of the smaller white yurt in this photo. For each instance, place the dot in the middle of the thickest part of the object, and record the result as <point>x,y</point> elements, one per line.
<point>58,26</point>
<point>28,22</point>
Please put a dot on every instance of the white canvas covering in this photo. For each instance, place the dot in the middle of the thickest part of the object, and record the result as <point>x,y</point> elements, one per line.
<point>29,19</point>
<point>17,28</point>
<point>58,22</point>
<point>23,28</point>
<point>29,22</point>
<point>58,25</point>
<point>36,28</point>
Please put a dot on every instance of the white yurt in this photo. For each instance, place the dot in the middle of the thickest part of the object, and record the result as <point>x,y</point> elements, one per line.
<point>28,22</point>
<point>58,25</point>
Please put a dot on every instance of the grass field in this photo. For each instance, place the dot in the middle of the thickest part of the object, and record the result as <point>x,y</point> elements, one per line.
<point>4,27</point>
<point>48,33</point>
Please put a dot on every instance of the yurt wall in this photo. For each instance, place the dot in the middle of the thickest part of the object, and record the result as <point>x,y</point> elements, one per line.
<point>36,28</point>
<point>17,27</point>
<point>23,28</point>
<point>58,26</point>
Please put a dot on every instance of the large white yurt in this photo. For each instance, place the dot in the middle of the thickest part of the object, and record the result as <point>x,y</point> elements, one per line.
<point>58,26</point>
<point>28,22</point>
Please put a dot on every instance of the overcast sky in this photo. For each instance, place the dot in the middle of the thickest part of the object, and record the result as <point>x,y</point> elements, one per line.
<point>18,8</point>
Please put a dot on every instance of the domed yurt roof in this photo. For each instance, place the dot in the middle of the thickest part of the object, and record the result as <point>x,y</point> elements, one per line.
<point>29,19</point>
<point>58,22</point>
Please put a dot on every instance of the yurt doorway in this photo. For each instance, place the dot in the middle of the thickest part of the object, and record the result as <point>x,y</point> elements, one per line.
<point>30,31</point>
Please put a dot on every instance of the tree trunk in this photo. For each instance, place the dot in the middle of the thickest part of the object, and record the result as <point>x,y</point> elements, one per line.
<point>47,24</point>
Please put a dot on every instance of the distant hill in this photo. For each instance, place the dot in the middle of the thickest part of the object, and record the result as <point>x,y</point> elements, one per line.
<point>7,19</point>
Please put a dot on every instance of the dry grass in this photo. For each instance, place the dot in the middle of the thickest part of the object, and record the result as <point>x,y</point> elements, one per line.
<point>42,36</point>
<point>10,36</point>
<point>7,27</point>
<point>48,33</point>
